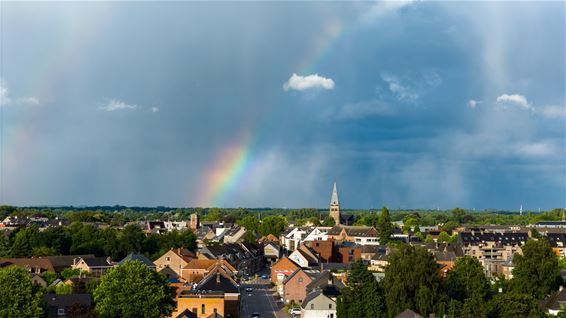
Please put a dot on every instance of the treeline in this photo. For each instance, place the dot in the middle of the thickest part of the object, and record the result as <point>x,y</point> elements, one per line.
<point>79,238</point>
<point>412,281</point>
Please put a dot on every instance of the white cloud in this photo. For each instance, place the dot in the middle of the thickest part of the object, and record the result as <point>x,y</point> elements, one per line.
<point>302,83</point>
<point>551,111</point>
<point>4,98</point>
<point>383,8</point>
<point>538,149</point>
<point>515,99</point>
<point>28,100</point>
<point>154,109</point>
<point>364,109</point>
<point>400,90</point>
<point>472,103</point>
<point>115,104</point>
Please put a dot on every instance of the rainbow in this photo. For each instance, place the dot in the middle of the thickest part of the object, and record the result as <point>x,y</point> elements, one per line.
<point>236,161</point>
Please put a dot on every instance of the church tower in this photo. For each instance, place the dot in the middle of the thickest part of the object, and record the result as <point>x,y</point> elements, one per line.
<point>335,205</point>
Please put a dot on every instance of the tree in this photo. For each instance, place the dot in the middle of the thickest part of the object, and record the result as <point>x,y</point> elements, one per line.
<point>63,289</point>
<point>458,215</point>
<point>328,221</point>
<point>18,296</point>
<point>467,280</point>
<point>272,225</point>
<point>443,237</point>
<point>49,277</point>
<point>250,223</point>
<point>513,305</point>
<point>363,297</point>
<point>24,242</point>
<point>133,290</point>
<point>385,227</point>
<point>412,281</point>
<point>70,272</point>
<point>429,239</point>
<point>536,270</point>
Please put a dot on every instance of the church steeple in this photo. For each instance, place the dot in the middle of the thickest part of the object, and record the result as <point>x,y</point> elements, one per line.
<point>335,205</point>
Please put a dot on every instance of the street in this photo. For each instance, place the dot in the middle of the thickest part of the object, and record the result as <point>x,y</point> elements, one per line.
<point>261,300</point>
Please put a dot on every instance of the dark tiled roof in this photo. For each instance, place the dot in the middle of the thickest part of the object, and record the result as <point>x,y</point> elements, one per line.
<point>137,257</point>
<point>503,238</point>
<point>67,300</point>
<point>555,300</point>
<point>310,297</point>
<point>97,262</point>
<point>217,281</point>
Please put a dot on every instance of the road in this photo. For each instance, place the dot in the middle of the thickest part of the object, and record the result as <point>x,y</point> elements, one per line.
<point>261,300</point>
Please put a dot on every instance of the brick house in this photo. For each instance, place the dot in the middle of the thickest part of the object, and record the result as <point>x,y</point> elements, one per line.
<point>295,285</point>
<point>175,259</point>
<point>325,250</point>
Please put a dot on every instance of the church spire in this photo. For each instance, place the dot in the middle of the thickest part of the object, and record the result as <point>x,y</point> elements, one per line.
<point>334,207</point>
<point>334,199</point>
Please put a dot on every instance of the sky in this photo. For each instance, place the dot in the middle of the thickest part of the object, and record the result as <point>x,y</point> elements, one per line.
<point>405,104</point>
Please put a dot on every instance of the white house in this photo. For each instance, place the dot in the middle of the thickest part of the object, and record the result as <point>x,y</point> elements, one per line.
<point>317,305</point>
<point>318,234</point>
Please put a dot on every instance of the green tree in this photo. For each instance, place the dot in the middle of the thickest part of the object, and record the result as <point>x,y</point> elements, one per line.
<point>458,215</point>
<point>272,225</point>
<point>328,221</point>
<point>43,251</point>
<point>385,227</point>
<point>364,296</point>
<point>49,277</point>
<point>467,280</point>
<point>24,241</point>
<point>70,272</point>
<point>18,296</point>
<point>429,239</point>
<point>536,270</point>
<point>63,289</point>
<point>513,305</point>
<point>250,223</point>
<point>443,237</point>
<point>133,290</point>
<point>412,281</point>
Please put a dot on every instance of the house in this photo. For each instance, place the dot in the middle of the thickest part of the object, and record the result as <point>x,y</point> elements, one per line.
<point>269,238</point>
<point>234,234</point>
<point>281,270</point>
<point>293,237</point>
<point>96,266</point>
<point>363,235</point>
<point>38,280</point>
<point>175,259</point>
<point>138,257</point>
<point>408,314</point>
<point>217,294</point>
<point>324,249</point>
<point>327,283</point>
<point>491,245</point>
<point>318,305</point>
<point>271,252</point>
<point>61,306</point>
<point>304,256</point>
<point>319,233</point>
<point>554,302</point>
<point>62,262</point>
<point>245,257</point>
<point>295,285</point>
<point>347,252</point>
<point>34,265</point>
<point>197,269</point>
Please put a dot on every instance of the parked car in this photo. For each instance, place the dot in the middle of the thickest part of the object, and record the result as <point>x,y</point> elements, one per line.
<point>265,276</point>
<point>255,315</point>
<point>295,311</point>
<point>249,289</point>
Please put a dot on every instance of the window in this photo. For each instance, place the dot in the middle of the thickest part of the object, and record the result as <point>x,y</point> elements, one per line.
<point>202,309</point>
<point>312,306</point>
<point>329,306</point>
<point>300,279</point>
<point>168,258</point>
<point>60,311</point>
